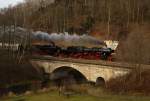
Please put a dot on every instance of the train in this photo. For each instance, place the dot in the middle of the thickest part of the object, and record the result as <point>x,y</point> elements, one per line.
<point>76,52</point>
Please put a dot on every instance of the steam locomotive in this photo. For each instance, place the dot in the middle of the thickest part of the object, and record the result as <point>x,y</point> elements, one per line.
<point>77,52</point>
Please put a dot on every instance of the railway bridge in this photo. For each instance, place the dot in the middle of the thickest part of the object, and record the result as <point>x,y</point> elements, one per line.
<point>91,70</point>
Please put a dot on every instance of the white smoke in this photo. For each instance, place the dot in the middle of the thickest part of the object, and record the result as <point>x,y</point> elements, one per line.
<point>65,39</point>
<point>61,39</point>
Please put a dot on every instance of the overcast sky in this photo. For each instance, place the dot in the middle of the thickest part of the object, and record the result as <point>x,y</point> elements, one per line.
<point>6,3</point>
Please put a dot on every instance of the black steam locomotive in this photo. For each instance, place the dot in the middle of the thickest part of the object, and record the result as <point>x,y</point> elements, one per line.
<point>78,52</point>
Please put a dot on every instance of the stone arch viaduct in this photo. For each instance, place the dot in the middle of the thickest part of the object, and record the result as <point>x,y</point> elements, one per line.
<point>91,69</point>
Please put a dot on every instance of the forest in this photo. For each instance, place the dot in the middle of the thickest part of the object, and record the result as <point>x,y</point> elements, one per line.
<point>79,16</point>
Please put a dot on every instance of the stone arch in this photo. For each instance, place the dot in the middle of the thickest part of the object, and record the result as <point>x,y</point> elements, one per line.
<point>68,73</point>
<point>100,81</point>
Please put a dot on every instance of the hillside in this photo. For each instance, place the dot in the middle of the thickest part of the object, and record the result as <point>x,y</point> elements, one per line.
<point>101,18</point>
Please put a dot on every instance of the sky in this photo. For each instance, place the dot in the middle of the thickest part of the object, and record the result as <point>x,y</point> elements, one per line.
<point>6,3</point>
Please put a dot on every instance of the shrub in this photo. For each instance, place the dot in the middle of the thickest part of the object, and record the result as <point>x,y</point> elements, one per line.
<point>135,82</point>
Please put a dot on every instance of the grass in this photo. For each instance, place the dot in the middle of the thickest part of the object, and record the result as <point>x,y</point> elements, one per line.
<point>54,96</point>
